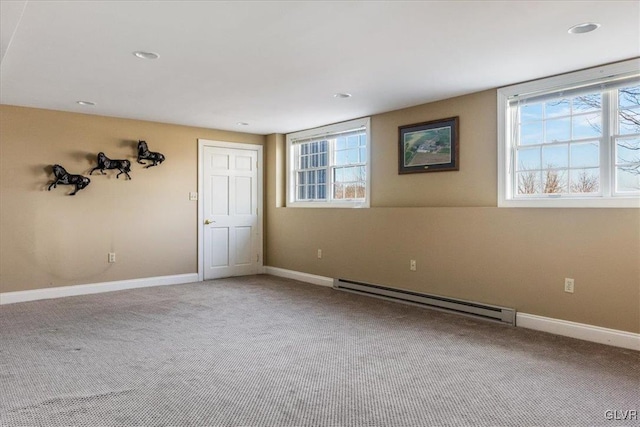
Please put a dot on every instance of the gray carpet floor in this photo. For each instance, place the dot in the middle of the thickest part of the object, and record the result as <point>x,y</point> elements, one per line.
<point>266,351</point>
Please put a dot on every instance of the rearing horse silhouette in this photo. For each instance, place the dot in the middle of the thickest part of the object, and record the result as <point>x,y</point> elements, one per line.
<point>145,154</point>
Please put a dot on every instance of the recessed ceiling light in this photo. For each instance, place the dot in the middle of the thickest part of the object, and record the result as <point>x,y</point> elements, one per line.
<point>242,124</point>
<point>86,103</point>
<point>586,27</point>
<point>342,95</point>
<point>145,55</point>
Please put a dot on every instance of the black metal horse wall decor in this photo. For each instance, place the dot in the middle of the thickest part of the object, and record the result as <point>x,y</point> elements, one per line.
<point>65,178</point>
<point>145,154</point>
<point>124,166</point>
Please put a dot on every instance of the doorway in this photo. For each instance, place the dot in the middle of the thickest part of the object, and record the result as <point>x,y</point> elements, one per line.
<point>229,209</point>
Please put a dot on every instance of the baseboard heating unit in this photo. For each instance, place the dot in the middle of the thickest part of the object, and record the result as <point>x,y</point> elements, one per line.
<point>484,311</point>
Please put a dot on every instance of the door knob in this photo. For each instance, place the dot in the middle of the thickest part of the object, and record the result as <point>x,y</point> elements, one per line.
<point>208,221</point>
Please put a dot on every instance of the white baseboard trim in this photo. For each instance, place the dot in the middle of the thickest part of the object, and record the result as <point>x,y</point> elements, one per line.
<point>580,331</point>
<point>565,328</point>
<point>95,288</point>
<point>297,275</point>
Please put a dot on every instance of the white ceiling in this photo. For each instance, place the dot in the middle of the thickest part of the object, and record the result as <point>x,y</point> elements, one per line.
<point>276,65</point>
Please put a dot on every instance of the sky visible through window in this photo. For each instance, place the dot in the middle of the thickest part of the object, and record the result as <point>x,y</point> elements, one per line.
<point>560,142</point>
<point>339,162</point>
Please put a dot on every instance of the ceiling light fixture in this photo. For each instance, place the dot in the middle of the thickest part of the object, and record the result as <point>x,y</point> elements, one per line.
<point>242,124</point>
<point>586,27</point>
<point>342,95</point>
<point>86,103</point>
<point>145,55</point>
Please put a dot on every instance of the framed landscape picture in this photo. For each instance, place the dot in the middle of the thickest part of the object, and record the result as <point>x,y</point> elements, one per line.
<point>429,147</point>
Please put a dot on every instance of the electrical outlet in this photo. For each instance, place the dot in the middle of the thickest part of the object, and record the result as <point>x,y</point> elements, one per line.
<point>319,253</point>
<point>112,257</point>
<point>568,285</point>
<point>412,265</point>
<point>193,195</point>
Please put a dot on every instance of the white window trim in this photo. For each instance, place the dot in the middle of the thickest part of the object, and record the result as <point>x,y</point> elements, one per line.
<point>505,192</point>
<point>333,128</point>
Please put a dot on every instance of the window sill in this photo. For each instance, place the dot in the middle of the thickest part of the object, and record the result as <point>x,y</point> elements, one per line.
<point>347,205</point>
<point>611,202</point>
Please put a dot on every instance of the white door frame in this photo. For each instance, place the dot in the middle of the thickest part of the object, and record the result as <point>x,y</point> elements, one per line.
<point>237,146</point>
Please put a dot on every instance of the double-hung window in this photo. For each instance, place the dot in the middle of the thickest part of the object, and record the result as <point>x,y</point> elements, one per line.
<point>329,166</point>
<point>571,140</point>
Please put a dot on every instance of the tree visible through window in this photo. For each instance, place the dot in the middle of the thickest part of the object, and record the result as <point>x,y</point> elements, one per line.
<point>560,144</point>
<point>328,166</point>
<point>627,155</point>
<point>577,142</point>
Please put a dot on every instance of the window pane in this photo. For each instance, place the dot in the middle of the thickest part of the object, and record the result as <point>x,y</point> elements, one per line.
<point>322,176</point>
<point>343,175</point>
<point>347,157</point>
<point>311,192</point>
<point>302,178</point>
<point>559,107</point>
<point>629,96</point>
<point>555,181</point>
<point>304,149</point>
<point>304,162</point>
<point>338,191</point>
<point>353,174</point>
<point>555,156</point>
<point>585,180</point>
<point>628,178</point>
<point>587,126</point>
<point>363,155</point>
<point>354,191</point>
<point>585,155</point>
<point>323,159</point>
<point>628,150</point>
<point>343,157</point>
<point>311,177</point>
<point>338,175</point>
<point>352,156</point>
<point>301,192</point>
<point>531,133</point>
<point>558,130</point>
<point>629,121</point>
<point>363,140</point>
<point>587,103</point>
<point>322,192</point>
<point>349,191</point>
<point>341,143</point>
<point>528,159</point>
<point>530,112</point>
<point>529,183</point>
<point>352,141</point>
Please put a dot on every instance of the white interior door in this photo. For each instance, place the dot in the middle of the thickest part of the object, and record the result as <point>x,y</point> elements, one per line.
<point>231,241</point>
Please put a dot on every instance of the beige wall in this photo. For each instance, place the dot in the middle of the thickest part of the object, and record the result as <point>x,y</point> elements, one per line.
<point>464,245</point>
<point>49,239</point>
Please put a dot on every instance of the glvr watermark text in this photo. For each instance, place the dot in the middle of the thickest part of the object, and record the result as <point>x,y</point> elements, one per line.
<point>621,415</point>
